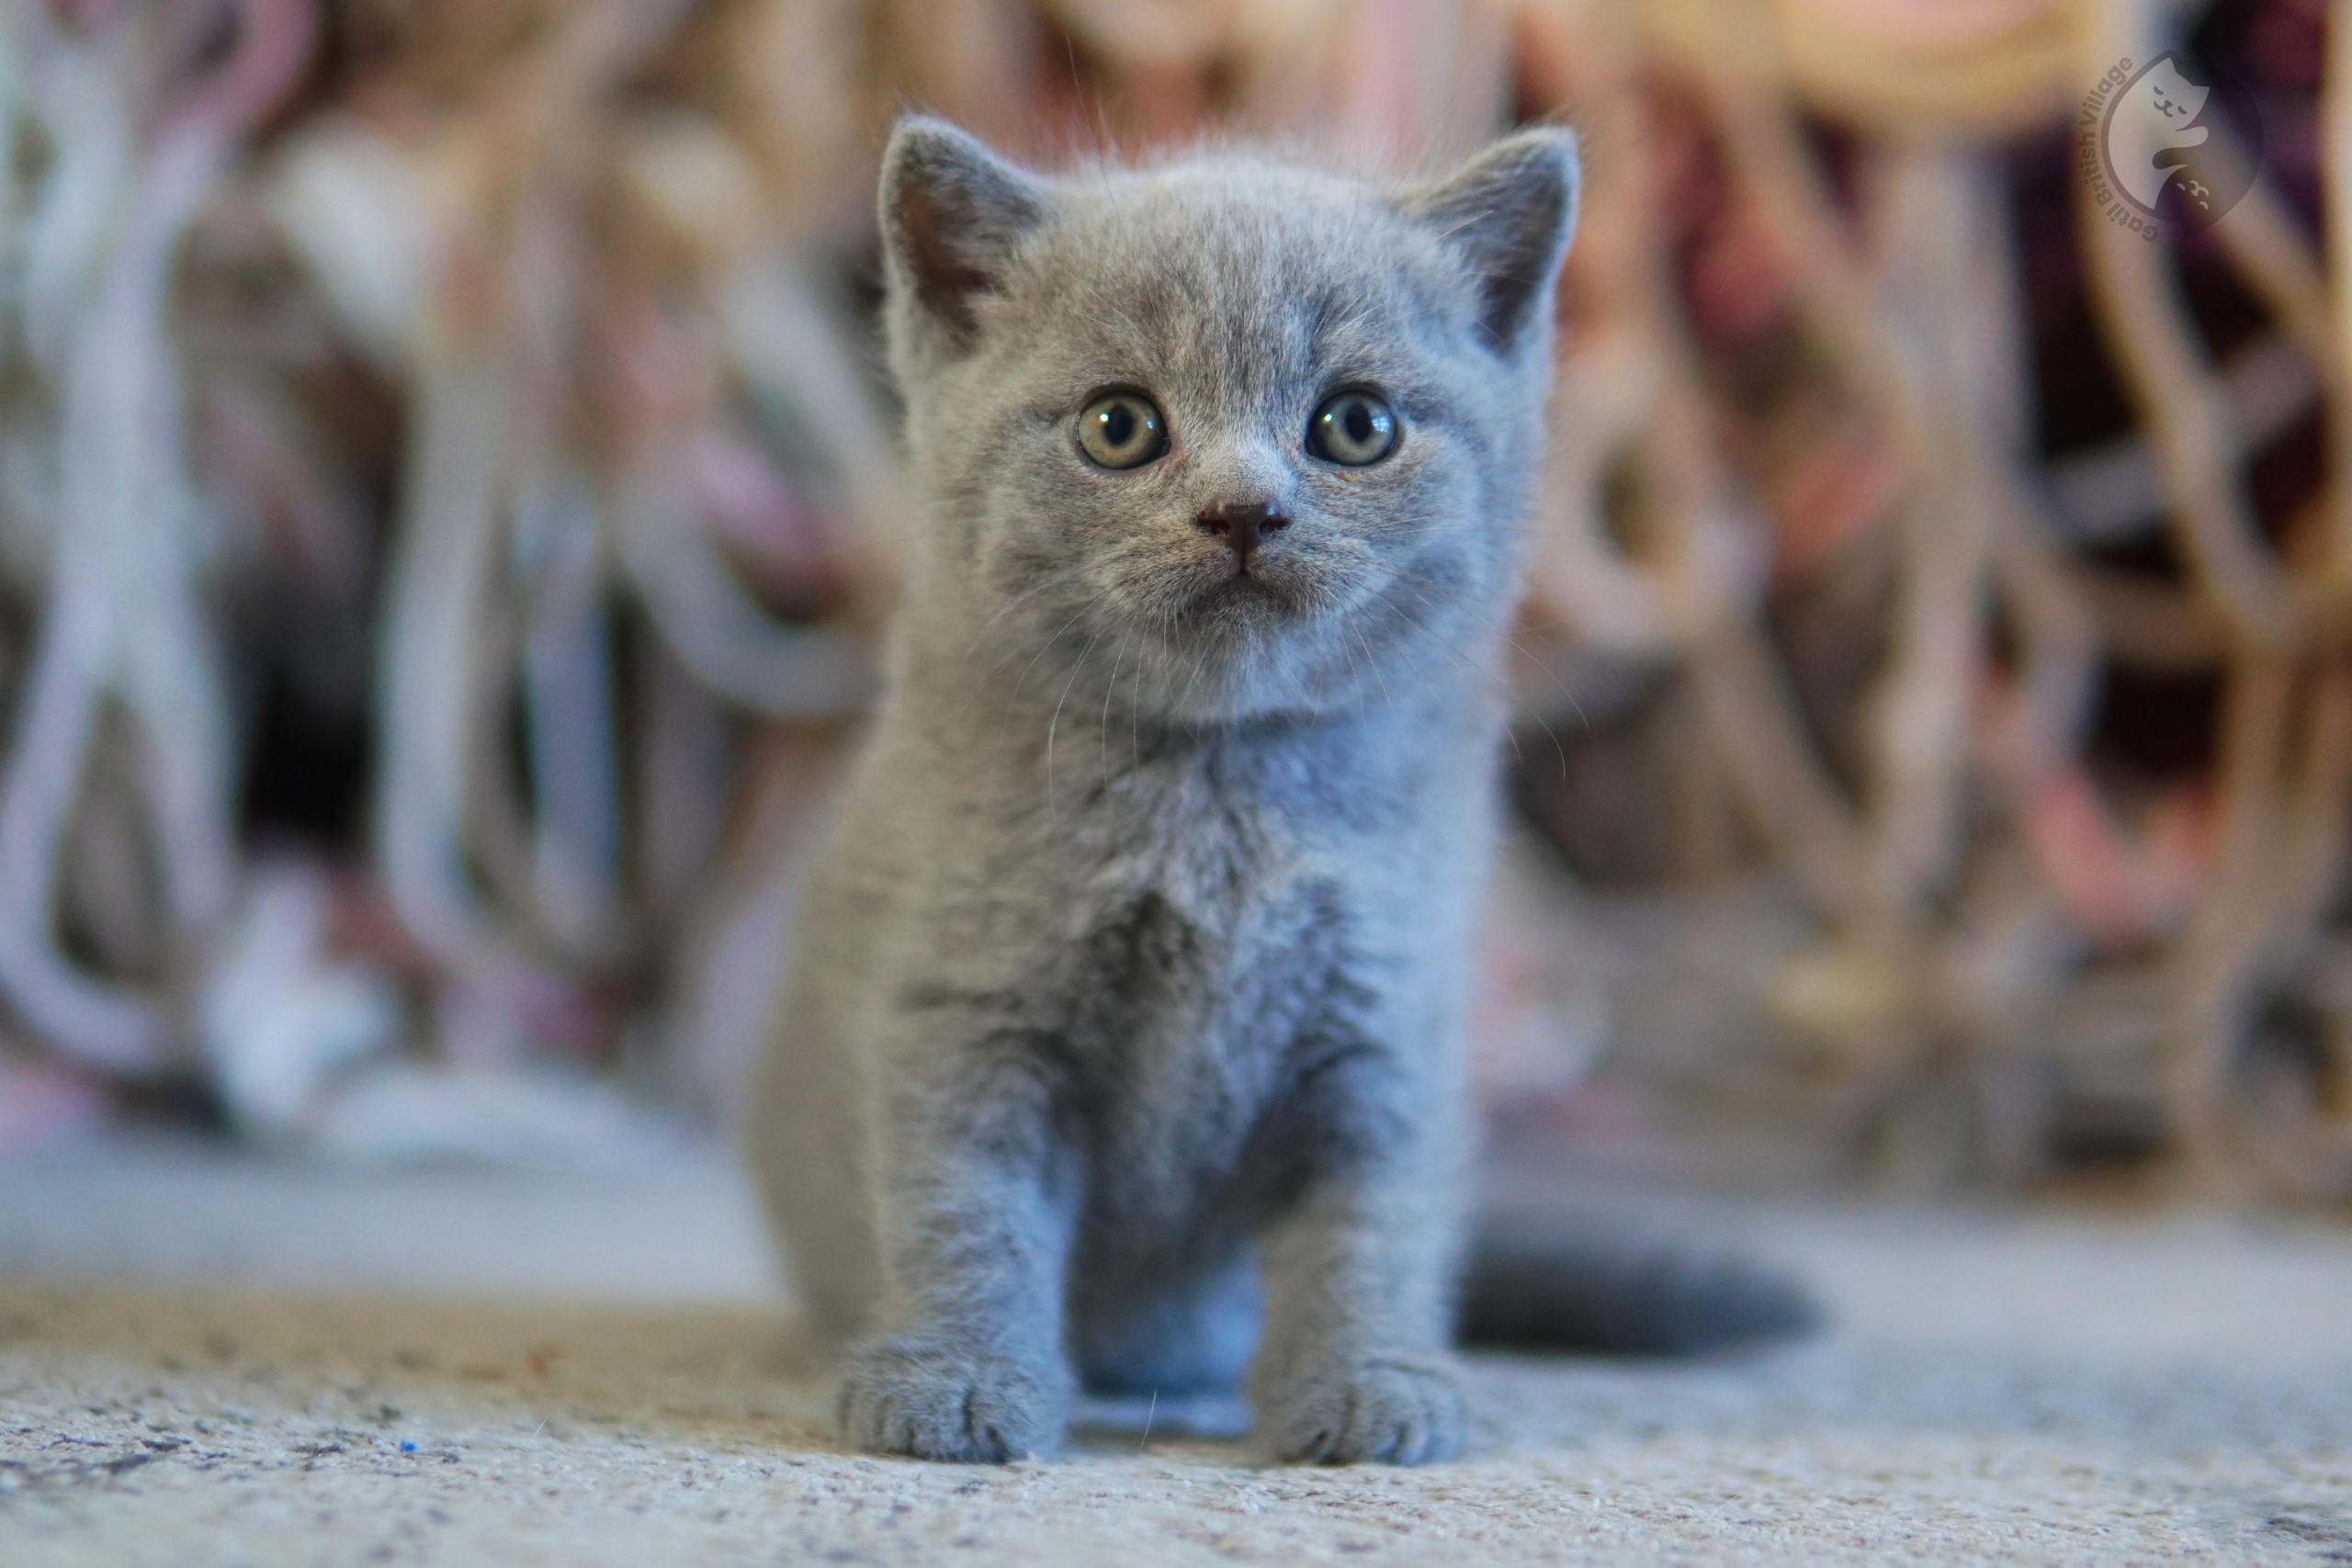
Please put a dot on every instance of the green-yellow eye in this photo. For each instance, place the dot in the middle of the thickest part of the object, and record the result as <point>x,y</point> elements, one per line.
<point>1122,430</point>
<point>1353,428</point>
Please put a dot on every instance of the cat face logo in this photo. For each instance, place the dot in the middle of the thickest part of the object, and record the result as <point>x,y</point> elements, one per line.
<point>2175,143</point>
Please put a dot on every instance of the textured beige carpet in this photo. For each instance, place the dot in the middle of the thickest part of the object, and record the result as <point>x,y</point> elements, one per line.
<point>2022,1388</point>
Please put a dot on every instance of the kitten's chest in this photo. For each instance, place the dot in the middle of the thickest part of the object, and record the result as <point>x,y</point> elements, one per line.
<point>1217,905</point>
<point>1190,1037</point>
<point>1219,948</point>
<point>1229,836</point>
<point>1176,904</point>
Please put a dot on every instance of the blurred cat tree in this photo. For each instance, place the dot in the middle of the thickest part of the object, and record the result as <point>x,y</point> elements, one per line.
<point>465,409</point>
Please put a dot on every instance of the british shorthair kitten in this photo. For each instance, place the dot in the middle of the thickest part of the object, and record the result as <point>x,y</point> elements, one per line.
<point>1123,1044</point>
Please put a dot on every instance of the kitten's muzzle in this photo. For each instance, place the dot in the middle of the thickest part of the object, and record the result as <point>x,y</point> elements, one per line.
<point>1243,526</point>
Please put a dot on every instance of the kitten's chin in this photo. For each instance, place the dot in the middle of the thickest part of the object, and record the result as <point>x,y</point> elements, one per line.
<point>1244,646</point>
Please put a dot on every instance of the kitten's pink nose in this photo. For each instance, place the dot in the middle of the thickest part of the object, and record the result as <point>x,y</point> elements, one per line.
<point>1243,526</point>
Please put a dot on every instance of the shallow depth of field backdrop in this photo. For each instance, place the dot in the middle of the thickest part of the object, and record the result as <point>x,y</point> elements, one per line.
<point>446,506</point>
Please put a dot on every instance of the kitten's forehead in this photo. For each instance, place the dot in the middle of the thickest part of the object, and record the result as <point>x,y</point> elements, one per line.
<point>1195,259</point>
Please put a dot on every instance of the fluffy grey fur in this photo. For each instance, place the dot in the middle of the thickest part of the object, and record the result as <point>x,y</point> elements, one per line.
<point>1127,1006</point>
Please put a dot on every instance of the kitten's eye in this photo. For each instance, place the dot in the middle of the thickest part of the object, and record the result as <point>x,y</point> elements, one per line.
<point>1354,428</point>
<point>1122,430</point>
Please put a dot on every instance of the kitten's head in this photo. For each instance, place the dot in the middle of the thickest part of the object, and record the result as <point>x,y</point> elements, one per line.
<point>1230,435</point>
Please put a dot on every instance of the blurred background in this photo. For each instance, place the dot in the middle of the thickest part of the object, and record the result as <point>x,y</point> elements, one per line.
<point>446,505</point>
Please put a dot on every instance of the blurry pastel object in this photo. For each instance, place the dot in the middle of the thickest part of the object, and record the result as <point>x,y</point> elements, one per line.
<point>44,1106</point>
<point>281,1017</point>
<point>1541,1021</point>
<point>347,201</point>
<point>403,1114</point>
<point>124,624</point>
<point>1896,65</point>
<point>2121,892</point>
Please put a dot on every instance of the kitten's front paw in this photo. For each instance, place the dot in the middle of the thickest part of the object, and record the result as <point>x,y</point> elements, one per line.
<point>918,1396</point>
<point>1387,1409</point>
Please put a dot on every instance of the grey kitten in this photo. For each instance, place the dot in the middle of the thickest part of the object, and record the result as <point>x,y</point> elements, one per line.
<point>1123,1041</point>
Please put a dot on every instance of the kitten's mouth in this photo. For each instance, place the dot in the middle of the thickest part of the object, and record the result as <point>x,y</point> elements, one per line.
<point>1241,594</point>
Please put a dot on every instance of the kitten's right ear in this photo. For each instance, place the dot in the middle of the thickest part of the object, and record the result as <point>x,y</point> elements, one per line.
<point>951,213</point>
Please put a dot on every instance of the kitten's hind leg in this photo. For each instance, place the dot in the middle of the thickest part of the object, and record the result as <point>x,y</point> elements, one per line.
<point>803,1134</point>
<point>1196,1339</point>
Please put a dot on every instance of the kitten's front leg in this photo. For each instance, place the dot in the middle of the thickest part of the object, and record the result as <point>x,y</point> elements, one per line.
<point>976,1204</point>
<point>1355,1363</point>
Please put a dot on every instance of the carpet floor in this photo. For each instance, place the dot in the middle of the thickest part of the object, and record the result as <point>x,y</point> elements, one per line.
<point>207,1359</point>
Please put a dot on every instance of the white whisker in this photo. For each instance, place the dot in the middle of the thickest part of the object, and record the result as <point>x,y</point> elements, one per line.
<point>1054,723</point>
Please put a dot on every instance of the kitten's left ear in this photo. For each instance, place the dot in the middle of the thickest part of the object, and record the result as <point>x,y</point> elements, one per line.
<point>1508,213</point>
<point>952,214</point>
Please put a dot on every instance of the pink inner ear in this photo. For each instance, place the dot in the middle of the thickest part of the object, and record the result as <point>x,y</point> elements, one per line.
<point>956,212</point>
<point>944,278</point>
<point>1509,215</point>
